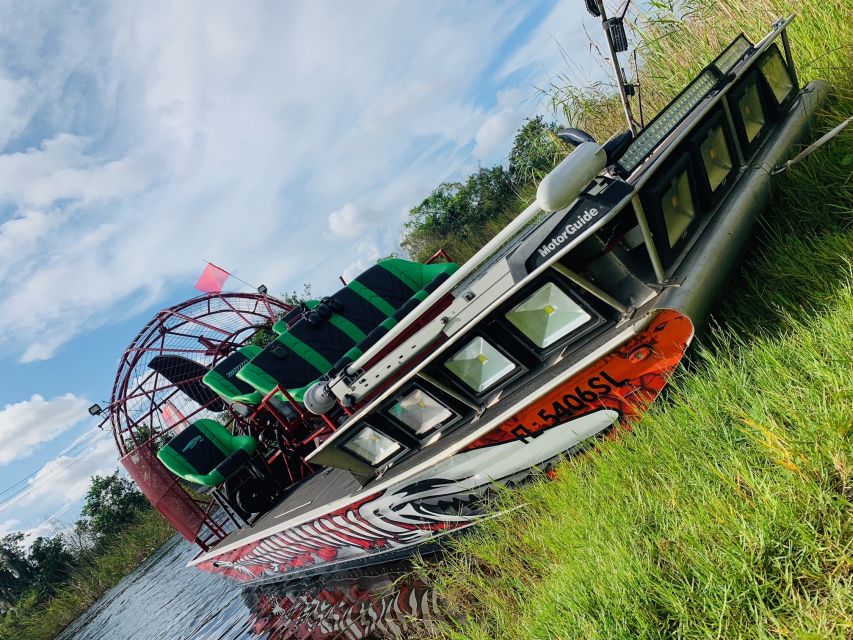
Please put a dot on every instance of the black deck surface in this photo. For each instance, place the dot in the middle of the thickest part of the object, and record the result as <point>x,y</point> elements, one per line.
<point>324,488</point>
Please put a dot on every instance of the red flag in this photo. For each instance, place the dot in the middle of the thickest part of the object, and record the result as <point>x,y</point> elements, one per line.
<point>211,279</point>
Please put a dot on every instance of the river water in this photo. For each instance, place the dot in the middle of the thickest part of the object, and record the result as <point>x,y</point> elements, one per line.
<point>163,599</point>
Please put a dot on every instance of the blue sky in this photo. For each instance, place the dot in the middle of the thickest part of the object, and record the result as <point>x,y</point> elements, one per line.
<point>284,141</point>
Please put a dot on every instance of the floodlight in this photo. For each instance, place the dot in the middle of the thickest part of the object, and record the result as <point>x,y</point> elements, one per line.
<point>480,365</point>
<point>372,446</point>
<point>547,315</point>
<point>716,157</point>
<point>419,412</point>
<point>751,112</point>
<point>678,208</point>
<point>775,71</point>
<point>95,410</point>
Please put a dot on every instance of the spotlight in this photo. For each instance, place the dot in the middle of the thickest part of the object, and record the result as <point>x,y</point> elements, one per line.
<point>372,447</point>
<point>95,410</point>
<point>678,208</point>
<point>751,112</point>
<point>480,365</point>
<point>716,157</point>
<point>419,412</point>
<point>547,315</point>
<point>775,71</point>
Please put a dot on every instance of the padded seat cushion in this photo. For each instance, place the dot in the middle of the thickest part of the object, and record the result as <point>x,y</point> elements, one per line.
<point>203,450</point>
<point>224,381</point>
<point>368,307</point>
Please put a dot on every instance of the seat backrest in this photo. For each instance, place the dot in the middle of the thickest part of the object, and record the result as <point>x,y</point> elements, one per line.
<point>224,381</point>
<point>196,451</point>
<point>308,349</point>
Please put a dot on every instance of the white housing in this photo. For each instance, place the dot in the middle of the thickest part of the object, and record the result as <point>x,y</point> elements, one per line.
<point>569,178</point>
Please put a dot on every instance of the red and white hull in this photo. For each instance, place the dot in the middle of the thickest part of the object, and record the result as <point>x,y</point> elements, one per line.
<point>445,496</point>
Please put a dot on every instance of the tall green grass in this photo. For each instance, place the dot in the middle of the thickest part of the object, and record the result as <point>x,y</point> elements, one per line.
<point>726,513</point>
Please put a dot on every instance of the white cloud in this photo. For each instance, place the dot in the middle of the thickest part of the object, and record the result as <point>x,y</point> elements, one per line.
<point>169,133</point>
<point>65,479</point>
<point>368,254</point>
<point>144,139</point>
<point>495,136</point>
<point>27,424</point>
<point>561,47</point>
<point>351,220</point>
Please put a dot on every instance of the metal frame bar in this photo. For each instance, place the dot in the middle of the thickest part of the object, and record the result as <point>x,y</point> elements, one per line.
<point>648,238</point>
<point>585,284</point>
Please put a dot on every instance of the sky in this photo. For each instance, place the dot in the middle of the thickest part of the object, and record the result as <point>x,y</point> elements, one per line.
<point>283,141</point>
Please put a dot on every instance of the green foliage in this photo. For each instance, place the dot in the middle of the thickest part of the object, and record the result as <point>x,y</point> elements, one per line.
<point>52,561</point>
<point>16,569</point>
<point>111,504</point>
<point>35,618</point>
<point>535,151</point>
<point>462,216</point>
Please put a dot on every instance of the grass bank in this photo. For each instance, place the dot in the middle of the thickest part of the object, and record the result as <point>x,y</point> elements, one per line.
<point>34,619</point>
<point>727,512</point>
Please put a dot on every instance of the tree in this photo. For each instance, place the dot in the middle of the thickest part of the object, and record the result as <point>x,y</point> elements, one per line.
<point>51,561</point>
<point>535,151</point>
<point>454,207</point>
<point>111,503</point>
<point>16,571</point>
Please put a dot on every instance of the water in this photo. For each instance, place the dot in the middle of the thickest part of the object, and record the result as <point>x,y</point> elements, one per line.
<point>163,599</point>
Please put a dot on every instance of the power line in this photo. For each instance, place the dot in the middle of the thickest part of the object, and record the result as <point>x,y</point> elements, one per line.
<point>65,451</point>
<point>32,486</point>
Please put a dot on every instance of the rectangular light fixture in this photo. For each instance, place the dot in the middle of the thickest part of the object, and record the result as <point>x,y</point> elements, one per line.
<point>751,112</point>
<point>667,120</point>
<point>732,54</point>
<point>547,315</point>
<point>716,156</point>
<point>678,208</point>
<point>419,412</point>
<point>480,365</point>
<point>372,446</point>
<point>776,73</point>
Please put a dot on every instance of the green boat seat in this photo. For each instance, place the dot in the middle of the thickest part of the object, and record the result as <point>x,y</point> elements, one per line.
<point>206,453</point>
<point>342,326</point>
<point>224,381</point>
<point>293,315</point>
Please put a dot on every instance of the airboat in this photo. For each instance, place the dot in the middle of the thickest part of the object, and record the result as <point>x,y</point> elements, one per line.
<point>287,440</point>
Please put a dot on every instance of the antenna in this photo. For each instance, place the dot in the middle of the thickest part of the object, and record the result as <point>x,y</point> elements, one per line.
<point>617,41</point>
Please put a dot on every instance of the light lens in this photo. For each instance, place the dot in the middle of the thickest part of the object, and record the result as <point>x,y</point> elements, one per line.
<point>372,446</point>
<point>420,412</point>
<point>480,365</point>
<point>547,315</point>
<point>677,207</point>
<point>776,73</point>
<point>751,112</point>
<point>716,157</point>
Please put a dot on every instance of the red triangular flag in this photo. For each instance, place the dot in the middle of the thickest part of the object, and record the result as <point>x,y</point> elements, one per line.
<point>212,279</point>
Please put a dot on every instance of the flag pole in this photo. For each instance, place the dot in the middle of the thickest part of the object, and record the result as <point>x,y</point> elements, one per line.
<point>231,275</point>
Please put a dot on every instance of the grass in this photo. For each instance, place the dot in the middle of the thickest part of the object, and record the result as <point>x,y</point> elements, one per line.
<point>727,512</point>
<point>34,619</point>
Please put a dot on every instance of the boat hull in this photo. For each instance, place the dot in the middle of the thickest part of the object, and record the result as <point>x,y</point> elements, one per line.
<point>449,495</point>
